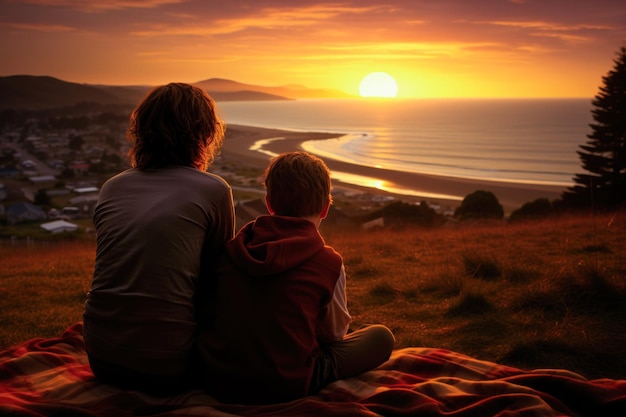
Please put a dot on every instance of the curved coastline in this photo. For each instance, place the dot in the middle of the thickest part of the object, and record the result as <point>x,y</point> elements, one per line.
<point>255,146</point>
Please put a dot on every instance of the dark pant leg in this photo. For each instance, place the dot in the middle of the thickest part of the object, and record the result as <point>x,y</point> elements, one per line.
<point>362,350</point>
<point>358,352</point>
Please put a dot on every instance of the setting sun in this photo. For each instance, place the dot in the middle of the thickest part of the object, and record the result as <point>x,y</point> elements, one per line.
<point>378,84</point>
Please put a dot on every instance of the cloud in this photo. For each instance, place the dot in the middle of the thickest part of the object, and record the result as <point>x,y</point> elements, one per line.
<point>102,5</point>
<point>268,18</point>
<point>491,51</point>
<point>547,25</point>
<point>412,49</point>
<point>570,33</point>
<point>39,27</point>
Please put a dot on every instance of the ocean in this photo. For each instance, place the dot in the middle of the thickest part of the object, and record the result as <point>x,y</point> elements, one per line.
<point>532,141</point>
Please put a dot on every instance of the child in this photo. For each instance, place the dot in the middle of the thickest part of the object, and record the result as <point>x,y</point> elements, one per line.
<point>161,227</point>
<point>281,319</point>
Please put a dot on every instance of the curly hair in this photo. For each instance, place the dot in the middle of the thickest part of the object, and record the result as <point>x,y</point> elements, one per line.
<point>297,184</point>
<point>175,124</point>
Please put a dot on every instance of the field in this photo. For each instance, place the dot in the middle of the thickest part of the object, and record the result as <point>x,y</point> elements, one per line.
<point>546,294</point>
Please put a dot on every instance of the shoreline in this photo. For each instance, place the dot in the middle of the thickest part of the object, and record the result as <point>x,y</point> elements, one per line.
<point>403,185</point>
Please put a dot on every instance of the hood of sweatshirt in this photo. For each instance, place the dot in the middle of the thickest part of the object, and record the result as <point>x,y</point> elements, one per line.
<point>270,245</point>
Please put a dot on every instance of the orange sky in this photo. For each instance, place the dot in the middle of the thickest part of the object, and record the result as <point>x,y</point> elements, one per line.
<point>433,48</point>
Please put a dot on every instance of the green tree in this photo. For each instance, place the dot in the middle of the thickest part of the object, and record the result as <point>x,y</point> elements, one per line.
<point>604,154</point>
<point>479,205</point>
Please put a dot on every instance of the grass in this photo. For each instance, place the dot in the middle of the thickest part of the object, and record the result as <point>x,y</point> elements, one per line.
<point>547,294</point>
<point>42,288</point>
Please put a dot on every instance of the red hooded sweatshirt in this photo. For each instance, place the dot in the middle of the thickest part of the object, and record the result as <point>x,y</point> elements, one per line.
<point>274,286</point>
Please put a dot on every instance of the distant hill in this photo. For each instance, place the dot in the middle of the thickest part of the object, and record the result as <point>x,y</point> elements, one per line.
<point>244,95</point>
<point>28,92</point>
<point>220,85</point>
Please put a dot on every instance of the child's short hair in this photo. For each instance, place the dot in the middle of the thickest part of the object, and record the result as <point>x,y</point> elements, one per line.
<point>175,124</point>
<point>297,184</point>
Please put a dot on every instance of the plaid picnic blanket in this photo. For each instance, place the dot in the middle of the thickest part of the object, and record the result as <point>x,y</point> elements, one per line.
<point>51,377</point>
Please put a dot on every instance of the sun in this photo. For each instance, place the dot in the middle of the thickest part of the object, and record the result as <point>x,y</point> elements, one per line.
<point>378,84</point>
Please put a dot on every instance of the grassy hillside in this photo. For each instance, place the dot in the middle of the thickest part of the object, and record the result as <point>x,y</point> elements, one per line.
<point>549,294</point>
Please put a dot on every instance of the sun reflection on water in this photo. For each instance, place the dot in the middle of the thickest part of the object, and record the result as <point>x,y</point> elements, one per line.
<point>361,180</point>
<point>369,182</point>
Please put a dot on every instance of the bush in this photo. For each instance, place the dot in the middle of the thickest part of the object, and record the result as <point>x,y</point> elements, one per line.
<point>401,213</point>
<point>538,209</point>
<point>479,205</point>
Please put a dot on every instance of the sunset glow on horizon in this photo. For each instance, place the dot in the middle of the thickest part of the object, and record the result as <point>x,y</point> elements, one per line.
<point>506,48</point>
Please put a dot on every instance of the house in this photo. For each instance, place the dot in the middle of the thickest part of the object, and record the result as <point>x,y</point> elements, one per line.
<point>24,212</point>
<point>9,171</point>
<point>28,164</point>
<point>56,164</point>
<point>86,190</point>
<point>43,180</point>
<point>59,226</point>
<point>85,202</point>
<point>57,192</point>
<point>70,212</point>
<point>80,167</point>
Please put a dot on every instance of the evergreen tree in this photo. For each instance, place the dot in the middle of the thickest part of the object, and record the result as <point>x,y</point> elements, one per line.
<point>604,154</point>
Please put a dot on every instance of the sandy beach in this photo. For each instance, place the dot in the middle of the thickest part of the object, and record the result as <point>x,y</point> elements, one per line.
<point>406,186</point>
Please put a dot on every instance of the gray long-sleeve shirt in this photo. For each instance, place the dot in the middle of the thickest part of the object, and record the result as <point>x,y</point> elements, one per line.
<point>159,232</point>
